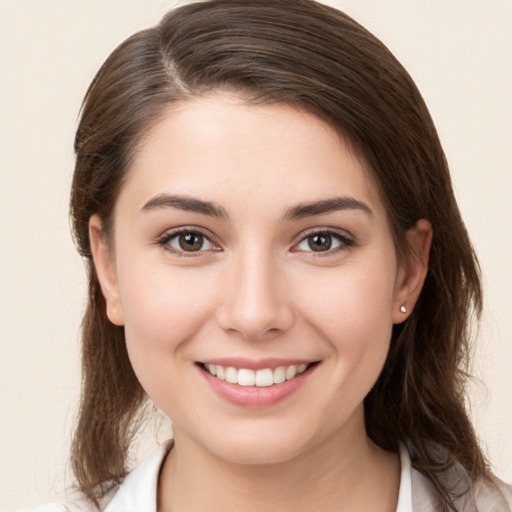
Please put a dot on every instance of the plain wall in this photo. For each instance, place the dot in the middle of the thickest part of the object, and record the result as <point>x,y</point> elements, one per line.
<point>459,54</point>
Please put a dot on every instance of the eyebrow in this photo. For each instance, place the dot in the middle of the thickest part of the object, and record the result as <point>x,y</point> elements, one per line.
<point>185,203</point>
<point>324,206</point>
<point>299,211</point>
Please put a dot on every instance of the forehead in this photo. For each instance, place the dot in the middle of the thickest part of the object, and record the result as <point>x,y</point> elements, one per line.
<point>221,148</point>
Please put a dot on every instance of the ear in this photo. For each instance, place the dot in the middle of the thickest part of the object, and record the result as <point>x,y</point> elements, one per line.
<point>413,270</point>
<point>104,263</point>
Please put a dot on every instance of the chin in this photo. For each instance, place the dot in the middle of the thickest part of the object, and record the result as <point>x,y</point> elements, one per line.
<point>260,453</point>
<point>259,445</point>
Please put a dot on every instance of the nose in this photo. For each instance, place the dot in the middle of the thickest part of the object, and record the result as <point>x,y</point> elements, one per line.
<point>255,303</point>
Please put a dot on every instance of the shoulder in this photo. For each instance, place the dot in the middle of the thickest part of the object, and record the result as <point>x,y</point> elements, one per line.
<point>489,494</point>
<point>75,502</point>
<point>66,506</point>
<point>137,493</point>
<point>493,495</point>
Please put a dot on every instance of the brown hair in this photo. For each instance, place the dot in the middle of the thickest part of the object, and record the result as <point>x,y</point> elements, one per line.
<point>315,58</point>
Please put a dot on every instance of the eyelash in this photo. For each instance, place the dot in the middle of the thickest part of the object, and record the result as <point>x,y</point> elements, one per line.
<point>345,242</point>
<point>166,238</point>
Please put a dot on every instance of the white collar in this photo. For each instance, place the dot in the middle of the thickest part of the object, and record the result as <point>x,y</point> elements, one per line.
<point>405,491</point>
<point>137,493</point>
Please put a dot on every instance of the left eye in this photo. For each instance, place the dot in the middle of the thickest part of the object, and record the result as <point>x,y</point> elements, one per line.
<point>321,242</point>
<point>189,241</point>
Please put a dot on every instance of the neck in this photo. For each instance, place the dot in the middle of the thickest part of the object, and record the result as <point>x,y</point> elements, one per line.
<point>344,473</point>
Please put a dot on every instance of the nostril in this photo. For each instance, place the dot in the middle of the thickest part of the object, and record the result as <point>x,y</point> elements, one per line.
<point>257,322</point>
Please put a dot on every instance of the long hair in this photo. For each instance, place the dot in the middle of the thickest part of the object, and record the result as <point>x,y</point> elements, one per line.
<point>315,58</point>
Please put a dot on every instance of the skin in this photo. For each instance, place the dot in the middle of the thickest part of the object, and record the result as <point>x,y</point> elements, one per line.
<point>256,289</point>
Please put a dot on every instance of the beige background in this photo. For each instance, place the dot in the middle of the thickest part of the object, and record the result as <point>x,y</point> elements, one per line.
<point>458,51</point>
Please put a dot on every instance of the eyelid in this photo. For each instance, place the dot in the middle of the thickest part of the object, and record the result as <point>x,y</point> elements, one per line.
<point>347,240</point>
<point>166,236</point>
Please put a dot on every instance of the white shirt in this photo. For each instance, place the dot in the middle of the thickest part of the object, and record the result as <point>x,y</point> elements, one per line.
<point>138,491</point>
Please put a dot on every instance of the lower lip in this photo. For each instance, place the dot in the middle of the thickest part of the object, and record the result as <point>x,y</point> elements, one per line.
<point>254,396</point>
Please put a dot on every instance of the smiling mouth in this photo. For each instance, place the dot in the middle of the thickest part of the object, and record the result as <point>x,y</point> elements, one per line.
<point>265,377</point>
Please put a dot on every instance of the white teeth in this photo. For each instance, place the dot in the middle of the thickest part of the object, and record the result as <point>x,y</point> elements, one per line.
<point>261,378</point>
<point>264,378</point>
<point>221,373</point>
<point>246,377</point>
<point>291,371</point>
<point>279,375</point>
<point>231,375</point>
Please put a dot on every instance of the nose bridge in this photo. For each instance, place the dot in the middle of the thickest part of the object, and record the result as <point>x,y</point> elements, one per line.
<point>255,301</point>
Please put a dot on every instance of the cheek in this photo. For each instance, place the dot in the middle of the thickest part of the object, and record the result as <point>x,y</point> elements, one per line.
<point>352,309</point>
<point>163,310</point>
<point>350,299</point>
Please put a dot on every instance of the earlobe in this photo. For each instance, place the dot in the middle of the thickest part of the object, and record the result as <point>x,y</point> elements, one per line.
<point>104,265</point>
<point>413,271</point>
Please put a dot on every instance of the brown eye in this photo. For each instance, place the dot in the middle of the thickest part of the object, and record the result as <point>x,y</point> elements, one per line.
<point>191,242</point>
<point>324,242</point>
<point>319,242</point>
<point>187,242</point>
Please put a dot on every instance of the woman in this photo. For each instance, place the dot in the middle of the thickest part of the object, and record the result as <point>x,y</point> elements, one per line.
<point>277,261</point>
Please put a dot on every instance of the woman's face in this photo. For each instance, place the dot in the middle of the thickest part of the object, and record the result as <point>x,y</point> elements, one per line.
<point>250,243</point>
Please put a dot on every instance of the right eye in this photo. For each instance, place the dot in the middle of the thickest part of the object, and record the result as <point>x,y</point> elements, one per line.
<point>187,241</point>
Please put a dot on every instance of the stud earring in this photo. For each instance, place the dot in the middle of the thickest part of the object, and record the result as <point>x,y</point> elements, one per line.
<point>403,309</point>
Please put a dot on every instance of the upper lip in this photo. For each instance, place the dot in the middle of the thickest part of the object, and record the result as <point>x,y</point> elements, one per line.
<point>256,364</point>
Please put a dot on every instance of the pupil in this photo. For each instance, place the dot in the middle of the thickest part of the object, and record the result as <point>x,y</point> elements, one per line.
<point>321,242</point>
<point>191,242</point>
